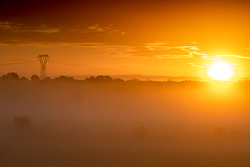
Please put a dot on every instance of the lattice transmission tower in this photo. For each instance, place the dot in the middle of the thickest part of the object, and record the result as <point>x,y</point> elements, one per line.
<point>43,62</point>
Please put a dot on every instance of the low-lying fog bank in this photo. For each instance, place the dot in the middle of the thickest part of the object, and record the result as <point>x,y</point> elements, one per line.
<point>125,111</point>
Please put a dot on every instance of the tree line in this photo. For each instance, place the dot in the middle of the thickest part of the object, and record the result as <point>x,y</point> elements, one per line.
<point>14,76</point>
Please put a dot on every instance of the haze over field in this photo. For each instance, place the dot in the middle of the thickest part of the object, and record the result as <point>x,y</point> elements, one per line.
<point>103,83</point>
<point>100,116</point>
<point>116,107</point>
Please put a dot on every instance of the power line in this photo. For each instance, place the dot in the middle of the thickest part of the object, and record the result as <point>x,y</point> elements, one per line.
<point>13,63</point>
<point>62,64</point>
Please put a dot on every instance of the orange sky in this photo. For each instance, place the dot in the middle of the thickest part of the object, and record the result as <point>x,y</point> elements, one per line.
<point>157,38</point>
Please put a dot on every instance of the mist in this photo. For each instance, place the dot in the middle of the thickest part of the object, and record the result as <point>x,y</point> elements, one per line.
<point>124,123</point>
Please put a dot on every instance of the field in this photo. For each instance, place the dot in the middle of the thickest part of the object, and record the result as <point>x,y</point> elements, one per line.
<point>39,154</point>
<point>135,123</point>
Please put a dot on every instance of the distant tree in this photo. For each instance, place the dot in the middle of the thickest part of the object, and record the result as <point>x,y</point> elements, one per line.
<point>118,80</point>
<point>21,122</point>
<point>104,78</point>
<point>135,79</point>
<point>35,78</point>
<point>10,76</point>
<point>23,79</point>
<point>100,78</point>
<point>90,78</point>
<point>48,78</point>
<point>170,80</point>
<point>64,78</point>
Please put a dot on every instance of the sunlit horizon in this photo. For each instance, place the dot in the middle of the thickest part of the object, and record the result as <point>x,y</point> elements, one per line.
<point>125,83</point>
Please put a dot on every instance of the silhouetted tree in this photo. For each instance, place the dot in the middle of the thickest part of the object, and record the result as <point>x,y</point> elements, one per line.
<point>90,78</point>
<point>118,80</point>
<point>10,76</point>
<point>48,79</point>
<point>104,78</point>
<point>64,78</point>
<point>135,79</point>
<point>23,79</point>
<point>100,78</point>
<point>35,78</point>
<point>21,122</point>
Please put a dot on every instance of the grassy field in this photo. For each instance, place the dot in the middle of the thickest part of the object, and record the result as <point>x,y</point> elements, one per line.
<point>125,125</point>
<point>51,154</point>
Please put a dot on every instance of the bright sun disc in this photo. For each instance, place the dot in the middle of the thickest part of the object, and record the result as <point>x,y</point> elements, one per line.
<point>221,70</point>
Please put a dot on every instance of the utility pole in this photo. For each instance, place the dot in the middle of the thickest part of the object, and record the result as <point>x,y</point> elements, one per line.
<point>43,62</point>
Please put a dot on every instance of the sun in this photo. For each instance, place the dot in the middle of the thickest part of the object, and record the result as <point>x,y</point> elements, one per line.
<point>221,70</point>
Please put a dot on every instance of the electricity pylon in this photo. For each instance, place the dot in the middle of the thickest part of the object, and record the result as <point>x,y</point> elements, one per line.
<point>43,62</point>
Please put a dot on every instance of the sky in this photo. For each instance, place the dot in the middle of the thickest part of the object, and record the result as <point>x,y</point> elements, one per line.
<point>155,39</point>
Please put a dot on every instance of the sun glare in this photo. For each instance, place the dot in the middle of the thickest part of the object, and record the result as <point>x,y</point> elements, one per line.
<point>221,70</point>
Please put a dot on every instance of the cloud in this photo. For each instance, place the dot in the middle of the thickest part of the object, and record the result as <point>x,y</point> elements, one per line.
<point>151,51</point>
<point>192,47</point>
<point>173,56</point>
<point>97,28</point>
<point>5,25</point>
<point>166,50</point>
<point>90,44</point>
<point>51,30</point>
<point>199,65</point>
<point>109,29</point>
<point>22,28</point>
<point>116,51</point>
<point>46,29</point>
<point>223,56</point>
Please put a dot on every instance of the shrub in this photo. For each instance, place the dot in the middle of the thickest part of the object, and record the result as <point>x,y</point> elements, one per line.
<point>21,122</point>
